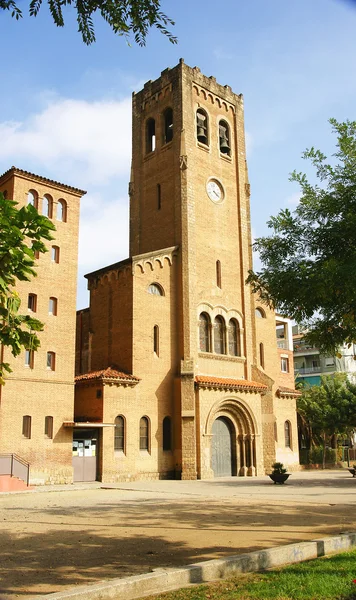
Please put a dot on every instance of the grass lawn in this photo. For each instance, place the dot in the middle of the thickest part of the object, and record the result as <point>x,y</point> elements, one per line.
<point>328,578</point>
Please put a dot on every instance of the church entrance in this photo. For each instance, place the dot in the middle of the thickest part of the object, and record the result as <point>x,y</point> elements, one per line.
<point>85,444</point>
<point>222,448</point>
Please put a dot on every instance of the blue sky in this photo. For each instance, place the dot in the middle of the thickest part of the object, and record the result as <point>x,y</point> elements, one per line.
<point>65,108</point>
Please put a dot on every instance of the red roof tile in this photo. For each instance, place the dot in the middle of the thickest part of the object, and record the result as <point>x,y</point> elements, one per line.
<point>226,383</point>
<point>27,174</point>
<point>109,373</point>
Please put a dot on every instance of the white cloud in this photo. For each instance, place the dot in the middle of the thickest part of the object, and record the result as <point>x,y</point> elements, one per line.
<point>77,141</point>
<point>293,199</point>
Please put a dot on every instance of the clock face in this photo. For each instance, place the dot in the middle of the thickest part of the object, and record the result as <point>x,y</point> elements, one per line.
<point>215,190</point>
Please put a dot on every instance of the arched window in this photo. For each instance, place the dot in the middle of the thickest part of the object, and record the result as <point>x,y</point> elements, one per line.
<point>204,332</point>
<point>26,426</point>
<point>150,135</point>
<point>119,440</point>
<point>51,361</point>
<point>167,125</point>
<point>287,434</point>
<point>167,433</point>
<point>219,335</point>
<point>32,302</point>
<point>234,338</point>
<point>260,314</point>
<point>155,289</point>
<point>202,127</point>
<point>62,211</point>
<point>156,340</point>
<point>55,254</point>
<point>262,356</point>
<point>218,273</point>
<point>32,198</point>
<point>47,206</point>
<point>145,434</point>
<point>224,138</point>
<point>52,306</point>
<point>49,427</point>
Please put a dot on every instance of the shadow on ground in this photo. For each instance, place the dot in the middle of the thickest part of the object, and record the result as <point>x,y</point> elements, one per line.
<point>47,549</point>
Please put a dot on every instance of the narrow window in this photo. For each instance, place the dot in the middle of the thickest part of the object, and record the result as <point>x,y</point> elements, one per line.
<point>5,194</point>
<point>36,254</point>
<point>260,313</point>
<point>204,332</point>
<point>49,427</point>
<point>287,434</point>
<point>52,306</point>
<point>155,289</point>
<point>224,138</point>
<point>62,211</point>
<point>51,361</point>
<point>159,196</point>
<point>167,125</point>
<point>29,356</point>
<point>234,338</point>
<point>156,340</point>
<point>47,206</point>
<point>144,434</point>
<point>55,254</point>
<point>32,198</point>
<point>284,365</point>
<point>202,127</point>
<point>262,356</point>
<point>32,302</point>
<point>150,135</point>
<point>219,335</point>
<point>218,273</point>
<point>119,440</point>
<point>167,434</point>
<point>26,426</point>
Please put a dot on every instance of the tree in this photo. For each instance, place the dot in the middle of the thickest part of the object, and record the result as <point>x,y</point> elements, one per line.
<point>309,262</point>
<point>22,233</point>
<point>125,17</point>
<point>328,410</point>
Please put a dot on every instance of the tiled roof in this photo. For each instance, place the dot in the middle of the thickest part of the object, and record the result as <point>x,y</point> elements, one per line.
<point>16,171</point>
<point>284,392</point>
<point>226,383</point>
<point>109,374</point>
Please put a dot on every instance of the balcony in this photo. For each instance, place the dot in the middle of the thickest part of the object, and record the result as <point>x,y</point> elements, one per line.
<point>317,369</point>
<point>282,344</point>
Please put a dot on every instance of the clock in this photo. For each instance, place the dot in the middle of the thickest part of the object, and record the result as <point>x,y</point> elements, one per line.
<point>215,190</point>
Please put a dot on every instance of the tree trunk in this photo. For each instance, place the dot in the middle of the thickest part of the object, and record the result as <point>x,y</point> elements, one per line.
<point>324,449</point>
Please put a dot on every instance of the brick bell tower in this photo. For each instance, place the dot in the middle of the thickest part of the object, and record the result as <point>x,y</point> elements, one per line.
<point>189,189</point>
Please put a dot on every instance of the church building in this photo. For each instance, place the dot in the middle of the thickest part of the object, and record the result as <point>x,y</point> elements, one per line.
<point>181,372</point>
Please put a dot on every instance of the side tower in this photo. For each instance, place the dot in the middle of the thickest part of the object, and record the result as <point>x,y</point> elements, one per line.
<point>189,189</point>
<point>38,396</point>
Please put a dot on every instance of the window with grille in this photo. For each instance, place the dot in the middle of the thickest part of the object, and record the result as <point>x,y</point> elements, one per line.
<point>204,332</point>
<point>234,338</point>
<point>219,335</point>
<point>119,441</point>
<point>287,434</point>
<point>144,434</point>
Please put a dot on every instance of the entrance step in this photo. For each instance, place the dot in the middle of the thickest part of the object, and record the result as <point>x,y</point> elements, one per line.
<point>12,484</point>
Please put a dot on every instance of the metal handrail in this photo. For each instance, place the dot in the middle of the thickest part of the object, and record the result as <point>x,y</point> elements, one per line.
<point>16,458</point>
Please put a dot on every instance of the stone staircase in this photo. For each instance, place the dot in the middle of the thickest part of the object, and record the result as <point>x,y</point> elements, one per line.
<point>12,484</point>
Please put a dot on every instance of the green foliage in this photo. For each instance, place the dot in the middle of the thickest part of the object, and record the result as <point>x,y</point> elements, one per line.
<point>124,17</point>
<point>328,578</point>
<point>22,234</point>
<point>328,410</point>
<point>278,469</point>
<point>316,456</point>
<point>309,261</point>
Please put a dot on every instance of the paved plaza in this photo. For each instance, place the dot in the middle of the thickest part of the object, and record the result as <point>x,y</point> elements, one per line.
<point>55,538</point>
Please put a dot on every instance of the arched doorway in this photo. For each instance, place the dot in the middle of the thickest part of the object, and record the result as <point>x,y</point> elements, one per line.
<point>223,454</point>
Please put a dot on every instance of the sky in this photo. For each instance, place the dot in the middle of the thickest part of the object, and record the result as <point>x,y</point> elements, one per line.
<point>65,108</point>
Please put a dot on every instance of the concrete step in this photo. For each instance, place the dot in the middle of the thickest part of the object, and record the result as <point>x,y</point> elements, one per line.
<point>12,484</point>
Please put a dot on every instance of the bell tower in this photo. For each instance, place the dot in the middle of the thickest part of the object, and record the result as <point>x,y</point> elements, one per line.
<point>189,190</point>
